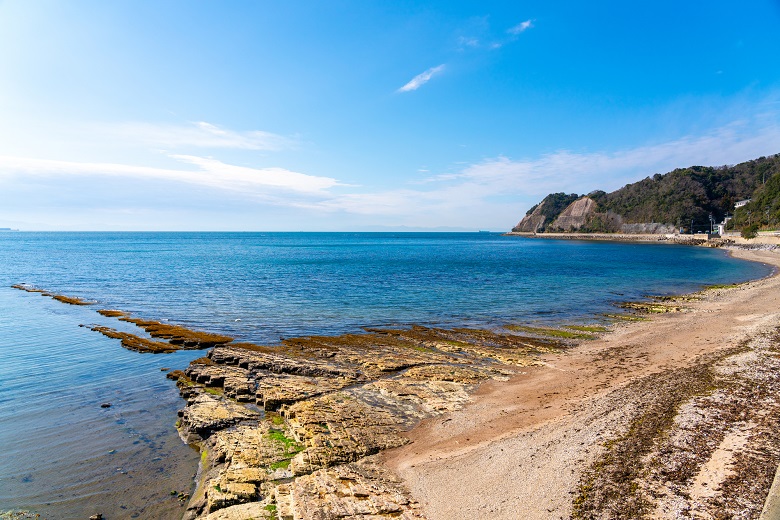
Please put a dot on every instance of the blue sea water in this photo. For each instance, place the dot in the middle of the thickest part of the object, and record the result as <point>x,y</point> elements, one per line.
<point>64,456</point>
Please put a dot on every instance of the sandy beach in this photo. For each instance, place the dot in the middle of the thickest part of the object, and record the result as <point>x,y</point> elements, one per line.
<point>671,417</point>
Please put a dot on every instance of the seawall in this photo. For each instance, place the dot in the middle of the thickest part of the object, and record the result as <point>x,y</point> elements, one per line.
<point>703,240</point>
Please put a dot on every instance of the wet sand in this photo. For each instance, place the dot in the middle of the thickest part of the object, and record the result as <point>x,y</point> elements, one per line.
<point>523,448</point>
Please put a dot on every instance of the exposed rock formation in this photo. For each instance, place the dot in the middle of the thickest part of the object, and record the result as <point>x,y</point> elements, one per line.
<point>583,215</point>
<point>532,222</point>
<point>687,198</point>
<point>288,432</point>
<point>575,215</point>
<point>539,216</point>
<point>70,300</point>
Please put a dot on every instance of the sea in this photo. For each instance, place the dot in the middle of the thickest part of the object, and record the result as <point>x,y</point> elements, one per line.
<point>64,456</point>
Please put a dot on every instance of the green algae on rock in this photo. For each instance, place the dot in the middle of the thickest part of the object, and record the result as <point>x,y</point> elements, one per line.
<point>651,307</point>
<point>137,343</point>
<point>178,335</point>
<point>553,332</point>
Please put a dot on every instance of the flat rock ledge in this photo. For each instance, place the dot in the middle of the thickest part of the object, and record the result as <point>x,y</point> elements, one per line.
<point>290,432</point>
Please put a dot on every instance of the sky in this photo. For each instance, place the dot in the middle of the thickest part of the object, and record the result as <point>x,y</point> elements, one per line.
<point>360,115</point>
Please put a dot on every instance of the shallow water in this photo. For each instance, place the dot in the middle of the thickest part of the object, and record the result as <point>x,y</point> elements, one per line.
<point>63,455</point>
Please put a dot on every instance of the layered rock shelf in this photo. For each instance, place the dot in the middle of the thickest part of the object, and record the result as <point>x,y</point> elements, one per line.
<point>291,431</point>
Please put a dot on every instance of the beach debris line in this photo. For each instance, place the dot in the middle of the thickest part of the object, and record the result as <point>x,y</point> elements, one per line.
<point>724,408</point>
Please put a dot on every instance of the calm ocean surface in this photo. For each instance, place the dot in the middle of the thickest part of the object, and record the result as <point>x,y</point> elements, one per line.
<point>64,456</point>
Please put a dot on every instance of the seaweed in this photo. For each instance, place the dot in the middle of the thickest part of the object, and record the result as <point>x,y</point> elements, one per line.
<point>136,343</point>
<point>178,335</point>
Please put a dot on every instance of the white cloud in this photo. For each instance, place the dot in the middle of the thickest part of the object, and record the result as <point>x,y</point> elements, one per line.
<point>497,188</point>
<point>421,79</point>
<point>198,135</point>
<point>492,193</point>
<point>583,172</point>
<point>521,27</point>
<point>468,41</point>
<point>222,175</point>
<point>208,172</point>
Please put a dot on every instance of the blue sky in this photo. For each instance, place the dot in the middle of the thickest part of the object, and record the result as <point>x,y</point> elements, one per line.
<point>366,115</point>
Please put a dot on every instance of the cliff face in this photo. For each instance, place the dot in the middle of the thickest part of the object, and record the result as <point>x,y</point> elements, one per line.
<point>532,222</point>
<point>576,215</point>
<point>538,217</point>
<point>583,215</point>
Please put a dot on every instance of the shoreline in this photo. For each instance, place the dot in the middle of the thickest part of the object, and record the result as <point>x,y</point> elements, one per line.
<point>663,238</point>
<point>277,457</point>
<point>546,434</point>
<point>306,481</point>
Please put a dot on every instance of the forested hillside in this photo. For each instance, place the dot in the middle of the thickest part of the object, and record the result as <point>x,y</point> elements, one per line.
<point>683,196</point>
<point>764,207</point>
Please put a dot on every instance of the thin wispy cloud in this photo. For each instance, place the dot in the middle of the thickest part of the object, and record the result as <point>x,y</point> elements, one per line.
<point>583,172</point>
<point>208,172</point>
<point>198,134</point>
<point>468,41</point>
<point>521,27</point>
<point>497,41</point>
<point>421,79</point>
<point>501,186</point>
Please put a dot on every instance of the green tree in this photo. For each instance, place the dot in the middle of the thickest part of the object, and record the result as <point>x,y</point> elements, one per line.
<point>749,232</point>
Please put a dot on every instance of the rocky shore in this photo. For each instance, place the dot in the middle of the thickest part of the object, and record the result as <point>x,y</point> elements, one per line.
<point>669,415</point>
<point>292,431</point>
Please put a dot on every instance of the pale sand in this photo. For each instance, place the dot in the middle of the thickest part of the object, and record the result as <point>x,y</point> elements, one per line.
<point>519,448</point>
